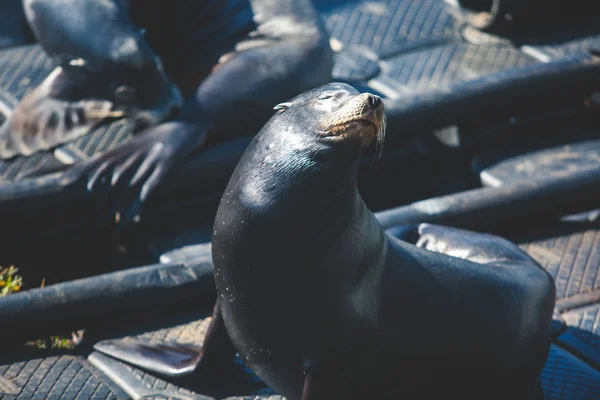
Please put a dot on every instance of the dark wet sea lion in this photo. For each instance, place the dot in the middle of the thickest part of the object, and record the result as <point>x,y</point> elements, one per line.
<point>233,58</point>
<point>308,282</point>
<point>321,303</point>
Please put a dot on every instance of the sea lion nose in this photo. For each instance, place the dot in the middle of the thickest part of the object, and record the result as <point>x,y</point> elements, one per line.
<point>374,101</point>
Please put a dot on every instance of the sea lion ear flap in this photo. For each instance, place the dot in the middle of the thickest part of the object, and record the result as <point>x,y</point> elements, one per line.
<point>281,107</point>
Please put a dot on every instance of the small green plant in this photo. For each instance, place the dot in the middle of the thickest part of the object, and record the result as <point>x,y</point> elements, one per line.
<point>57,342</point>
<point>10,282</point>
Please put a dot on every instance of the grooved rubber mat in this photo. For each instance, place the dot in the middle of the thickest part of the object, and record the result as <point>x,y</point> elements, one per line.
<point>388,27</point>
<point>587,319</point>
<point>443,65</point>
<point>22,68</point>
<point>59,377</point>
<point>393,30</point>
<point>583,334</point>
<point>564,376</point>
<point>191,332</point>
<point>570,252</point>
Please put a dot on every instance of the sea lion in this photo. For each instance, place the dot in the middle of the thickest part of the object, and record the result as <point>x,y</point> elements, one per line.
<point>105,69</point>
<point>321,303</point>
<point>230,59</point>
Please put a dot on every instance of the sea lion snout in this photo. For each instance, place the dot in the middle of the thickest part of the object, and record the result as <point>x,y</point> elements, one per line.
<point>362,116</point>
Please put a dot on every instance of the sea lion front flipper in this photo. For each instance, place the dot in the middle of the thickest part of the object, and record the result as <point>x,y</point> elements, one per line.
<point>174,359</point>
<point>168,359</point>
<point>45,119</point>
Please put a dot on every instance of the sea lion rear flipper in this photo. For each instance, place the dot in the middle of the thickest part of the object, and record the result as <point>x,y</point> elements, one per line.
<point>174,359</point>
<point>478,247</point>
<point>43,121</point>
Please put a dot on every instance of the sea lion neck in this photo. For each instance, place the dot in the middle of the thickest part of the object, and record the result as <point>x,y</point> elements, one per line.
<point>295,185</point>
<point>290,189</point>
<point>291,172</point>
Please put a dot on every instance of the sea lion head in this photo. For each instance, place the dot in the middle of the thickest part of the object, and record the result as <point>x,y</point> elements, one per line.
<point>129,75</point>
<point>332,117</point>
<point>310,148</point>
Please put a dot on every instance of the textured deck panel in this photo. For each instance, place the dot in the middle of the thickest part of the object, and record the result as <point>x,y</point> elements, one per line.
<point>191,332</point>
<point>23,68</point>
<point>572,258</point>
<point>66,377</point>
<point>415,42</point>
<point>443,65</point>
<point>355,65</point>
<point>585,318</point>
<point>60,377</point>
<point>388,27</point>
<point>565,377</point>
<point>583,334</point>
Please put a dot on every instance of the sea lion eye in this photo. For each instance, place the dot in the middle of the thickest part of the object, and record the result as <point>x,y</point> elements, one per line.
<point>325,96</point>
<point>281,107</point>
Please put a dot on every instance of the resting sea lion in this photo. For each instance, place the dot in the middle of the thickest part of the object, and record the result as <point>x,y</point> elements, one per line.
<point>230,59</point>
<point>321,303</point>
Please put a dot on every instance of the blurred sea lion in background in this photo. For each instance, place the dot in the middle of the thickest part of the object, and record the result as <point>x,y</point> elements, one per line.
<point>186,72</point>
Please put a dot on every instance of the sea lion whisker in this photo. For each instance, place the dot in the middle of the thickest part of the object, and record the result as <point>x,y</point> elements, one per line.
<point>381,138</point>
